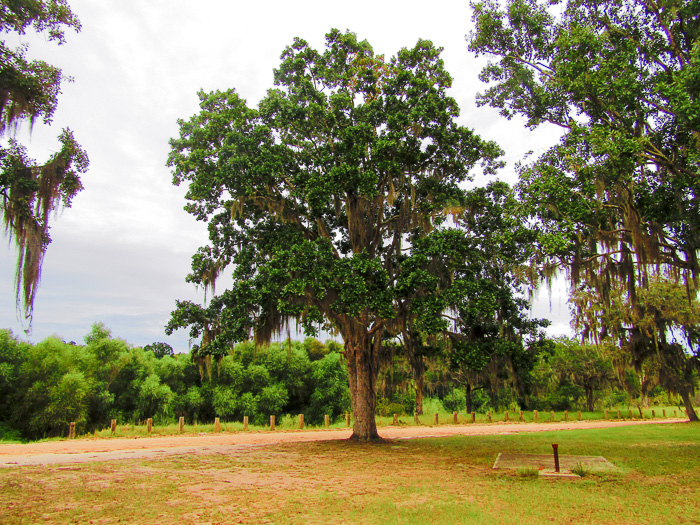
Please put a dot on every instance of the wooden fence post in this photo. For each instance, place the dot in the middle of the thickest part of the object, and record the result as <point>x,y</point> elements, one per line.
<point>664,412</point>
<point>347,419</point>
<point>454,418</point>
<point>653,414</point>
<point>505,417</point>
<point>415,418</point>
<point>473,417</point>
<point>71,430</point>
<point>535,415</point>
<point>182,424</point>
<point>488,417</point>
<point>619,414</point>
<point>579,415</point>
<point>113,426</point>
<point>217,425</point>
<point>272,422</point>
<point>521,416</point>
<point>630,414</point>
<point>437,421</point>
<point>149,425</point>
<point>326,421</point>
<point>606,414</point>
<point>301,421</point>
<point>566,415</point>
<point>674,413</point>
<point>245,422</point>
<point>396,419</point>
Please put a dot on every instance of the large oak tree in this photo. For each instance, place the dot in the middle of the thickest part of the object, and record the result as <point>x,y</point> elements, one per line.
<point>313,198</point>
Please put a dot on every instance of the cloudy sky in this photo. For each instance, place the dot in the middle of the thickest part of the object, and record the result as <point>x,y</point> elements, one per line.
<point>120,254</point>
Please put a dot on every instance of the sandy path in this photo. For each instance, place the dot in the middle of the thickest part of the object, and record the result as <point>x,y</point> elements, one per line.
<point>86,450</point>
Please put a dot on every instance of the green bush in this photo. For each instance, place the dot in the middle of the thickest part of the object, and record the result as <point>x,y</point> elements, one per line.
<point>454,401</point>
<point>224,401</point>
<point>386,408</point>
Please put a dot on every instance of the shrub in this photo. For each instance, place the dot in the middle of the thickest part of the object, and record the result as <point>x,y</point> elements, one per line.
<point>386,408</point>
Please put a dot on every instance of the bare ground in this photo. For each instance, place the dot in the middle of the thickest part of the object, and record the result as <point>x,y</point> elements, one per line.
<point>100,449</point>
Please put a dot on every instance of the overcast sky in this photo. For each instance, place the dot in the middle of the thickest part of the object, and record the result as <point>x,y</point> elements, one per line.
<point>120,254</point>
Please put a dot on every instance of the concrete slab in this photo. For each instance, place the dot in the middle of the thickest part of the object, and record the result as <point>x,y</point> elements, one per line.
<point>545,462</point>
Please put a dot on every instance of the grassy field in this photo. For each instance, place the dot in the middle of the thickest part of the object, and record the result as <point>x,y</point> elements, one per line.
<point>409,481</point>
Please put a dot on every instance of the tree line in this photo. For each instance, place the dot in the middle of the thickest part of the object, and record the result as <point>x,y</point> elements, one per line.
<point>46,386</point>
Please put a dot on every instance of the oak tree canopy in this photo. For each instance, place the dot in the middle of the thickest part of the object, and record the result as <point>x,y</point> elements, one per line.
<point>314,198</point>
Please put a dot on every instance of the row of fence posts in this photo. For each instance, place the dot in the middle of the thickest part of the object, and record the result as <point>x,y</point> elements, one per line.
<point>326,420</point>
<point>217,424</point>
<point>535,413</point>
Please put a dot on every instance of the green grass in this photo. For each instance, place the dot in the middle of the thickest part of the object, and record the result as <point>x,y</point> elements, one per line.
<point>446,480</point>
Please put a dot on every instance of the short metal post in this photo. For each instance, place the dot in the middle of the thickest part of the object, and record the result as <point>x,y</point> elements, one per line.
<point>556,457</point>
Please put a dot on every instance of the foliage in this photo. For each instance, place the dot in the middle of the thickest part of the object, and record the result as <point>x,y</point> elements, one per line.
<point>331,395</point>
<point>98,332</point>
<point>660,332</point>
<point>29,91</point>
<point>160,349</point>
<point>584,366</point>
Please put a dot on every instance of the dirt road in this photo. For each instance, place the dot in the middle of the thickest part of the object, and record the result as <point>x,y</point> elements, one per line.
<point>86,450</point>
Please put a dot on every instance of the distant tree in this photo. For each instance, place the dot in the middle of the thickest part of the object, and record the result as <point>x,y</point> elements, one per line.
<point>160,350</point>
<point>659,332</point>
<point>98,331</point>
<point>314,196</point>
<point>29,91</point>
<point>315,348</point>
<point>583,365</point>
<point>12,355</point>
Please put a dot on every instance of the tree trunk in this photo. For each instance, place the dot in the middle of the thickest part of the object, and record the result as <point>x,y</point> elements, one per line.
<point>589,398</point>
<point>685,394</point>
<point>362,372</point>
<point>468,396</point>
<point>418,366</point>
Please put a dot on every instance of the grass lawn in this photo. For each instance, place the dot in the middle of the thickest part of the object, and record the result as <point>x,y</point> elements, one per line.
<point>442,480</point>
